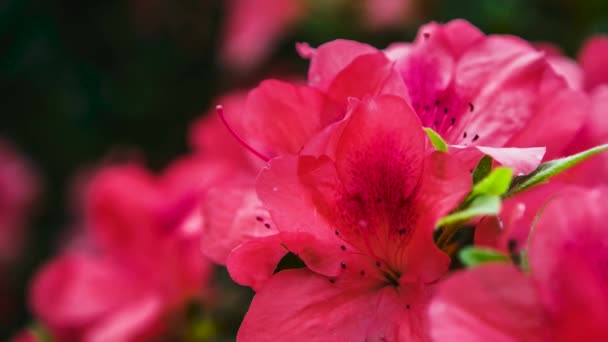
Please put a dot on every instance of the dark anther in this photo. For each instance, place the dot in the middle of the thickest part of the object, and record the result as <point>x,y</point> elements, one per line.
<point>470,170</point>
<point>337,232</point>
<point>259,218</point>
<point>267,225</point>
<point>331,280</point>
<point>343,265</point>
<point>407,306</point>
<point>464,135</point>
<point>436,102</point>
<point>445,110</point>
<point>342,247</point>
<point>362,272</point>
<point>401,231</point>
<point>436,123</point>
<point>426,35</point>
<point>476,137</point>
<point>378,263</point>
<point>427,107</point>
<point>471,107</point>
<point>452,121</point>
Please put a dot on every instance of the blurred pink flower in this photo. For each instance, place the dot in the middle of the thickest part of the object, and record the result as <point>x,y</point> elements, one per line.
<point>19,188</point>
<point>146,264</point>
<point>592,58</point>
<point>389,13</point>
<point>359,215</point>
<point>253,27</point>
<point>563,298</point>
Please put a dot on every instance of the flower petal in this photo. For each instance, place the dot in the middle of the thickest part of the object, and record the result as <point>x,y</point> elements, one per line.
<point>593,60</point>
<point>330,58</point>
<point>307,307</point>
<point>487,303</point>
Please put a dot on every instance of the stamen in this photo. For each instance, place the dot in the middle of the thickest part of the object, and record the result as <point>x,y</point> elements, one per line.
<point>220,112</point>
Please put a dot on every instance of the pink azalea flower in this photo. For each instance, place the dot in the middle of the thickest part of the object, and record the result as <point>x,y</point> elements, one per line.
<point>19,187</point>
<point>478,92</point>
<point>147,261</point>
<point>446,69</point>
<point>564,296</point>
<point>361,217</point>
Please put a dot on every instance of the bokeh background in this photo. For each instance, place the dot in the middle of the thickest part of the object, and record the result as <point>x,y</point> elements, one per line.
<point>85,81</point>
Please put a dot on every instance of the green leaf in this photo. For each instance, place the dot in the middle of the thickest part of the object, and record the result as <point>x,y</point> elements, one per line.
<point>482,170</point>
<point>436,140</point>
<point>480,206</point>
<point>496,183</point>
<point>550,169</point>
<point>474,256</point>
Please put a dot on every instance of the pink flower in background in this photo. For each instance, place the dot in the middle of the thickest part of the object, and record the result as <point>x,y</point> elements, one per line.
<point>592,58</point>
<point>564,298</point>
<point>253,27</point>
<point>389,13</point>
<point>146,264</point>
<point>360,217</point>
<point>19,187</point>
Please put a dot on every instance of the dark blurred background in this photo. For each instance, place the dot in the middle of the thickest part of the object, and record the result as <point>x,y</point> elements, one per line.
<point>82,81</point>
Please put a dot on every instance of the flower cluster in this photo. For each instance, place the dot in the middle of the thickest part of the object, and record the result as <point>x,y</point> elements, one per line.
<point>451,187</point>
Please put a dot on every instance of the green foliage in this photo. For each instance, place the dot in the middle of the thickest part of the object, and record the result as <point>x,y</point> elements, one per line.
<point>495,183</point>
<point>550,169</point>
<point>474,256</point>
<point>482,170</point>
<point>480,206</point>
<point>436,140</point>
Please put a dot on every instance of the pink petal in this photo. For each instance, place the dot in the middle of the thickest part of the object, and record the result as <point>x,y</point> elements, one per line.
<point>331,58</point>
<point>254,261</point>
<point>456,35</point>
<point>121,206</point>
<point>282,117</point>
<point>518,214</point>
<point>500,76</point>
<point>75,290</point>
<point>569,70</point>
<point>494,302</point>
<point>233,214</point>
<point>292,209</point>
<point>593,60</point>
<point>379,74</point>
<point>307,307</point>
<point>379,161</point>
<point>140,320</point>
<point>560,116</point>
<point>568,256</point>
<point>444,184</point>
<point>521,160</point>
<point>593,171</point>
